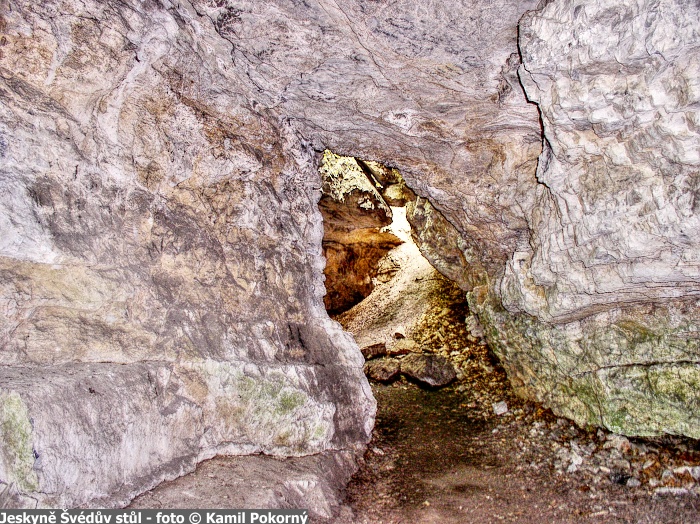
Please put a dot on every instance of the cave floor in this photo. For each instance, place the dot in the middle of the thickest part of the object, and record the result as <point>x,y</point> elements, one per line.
<point>433,459</point>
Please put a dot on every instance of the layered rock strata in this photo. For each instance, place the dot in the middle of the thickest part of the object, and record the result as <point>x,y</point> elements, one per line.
<point>160,261</point>
<point>602,315</point>
<point>160,256</point>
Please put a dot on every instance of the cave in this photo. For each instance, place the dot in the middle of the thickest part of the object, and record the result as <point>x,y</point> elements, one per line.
<point>164,304</point>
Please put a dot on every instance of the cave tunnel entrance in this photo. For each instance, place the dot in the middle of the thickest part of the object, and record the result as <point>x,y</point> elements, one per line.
<point>438,386</point>
<point>452,443</point>
<point>407,318</point>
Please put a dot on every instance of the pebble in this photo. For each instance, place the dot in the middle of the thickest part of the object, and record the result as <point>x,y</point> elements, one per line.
<point>500,408</point>
<point>633,482</point>
<point>617,442</point>
<point>671,491</point>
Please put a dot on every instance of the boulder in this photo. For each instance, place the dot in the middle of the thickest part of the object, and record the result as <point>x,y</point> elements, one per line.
<point>432,370</point>
<point>383,369</point>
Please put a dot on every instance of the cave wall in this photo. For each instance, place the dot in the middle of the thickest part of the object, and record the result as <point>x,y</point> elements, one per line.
<point>602,317</point>
<point>160,258</point>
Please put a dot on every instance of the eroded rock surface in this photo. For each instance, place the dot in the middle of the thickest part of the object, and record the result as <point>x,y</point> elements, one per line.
<point>312,483</point>
<point>160,261</point>
<point>433,370</point>
<point>604,293</point>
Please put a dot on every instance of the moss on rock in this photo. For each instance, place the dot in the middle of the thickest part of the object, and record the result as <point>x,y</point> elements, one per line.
<point>635,371</point>
<point>16,451</point>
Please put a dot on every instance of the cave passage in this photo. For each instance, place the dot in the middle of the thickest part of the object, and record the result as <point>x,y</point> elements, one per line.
<point>406,317</point>
<point>452,442</point>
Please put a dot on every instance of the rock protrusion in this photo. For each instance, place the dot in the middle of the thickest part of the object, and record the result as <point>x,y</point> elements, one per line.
<point>374,351</point>
<point>432,370</point>
<point>383,369</point>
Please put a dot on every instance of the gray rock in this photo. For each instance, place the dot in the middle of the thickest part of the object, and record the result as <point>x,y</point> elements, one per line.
<point>601,316</point>
<point>383,369</point>
<point>433,370</point>
<point>160,228</point>
<point>314,483</point>
<point>500,408</point>
<point>161,277</point>
<point>633,483</point>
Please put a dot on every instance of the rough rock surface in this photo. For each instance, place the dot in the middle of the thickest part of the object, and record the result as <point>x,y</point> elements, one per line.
<point>605,291</point>
<point>160,232</point>
<point>383,369</point>
<point>259,482</point>
<point>160,260</point>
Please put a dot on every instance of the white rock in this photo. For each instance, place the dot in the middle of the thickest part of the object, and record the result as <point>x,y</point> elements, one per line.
<point>500,408</point>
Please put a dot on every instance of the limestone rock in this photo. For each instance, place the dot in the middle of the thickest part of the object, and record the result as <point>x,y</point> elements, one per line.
<point>161,240</point>
<point>617,88</point>
<point>601,321</point>
<point>433,370</point>
<point>314,483</point>
<point>383,369</point>
<point>160,260</point>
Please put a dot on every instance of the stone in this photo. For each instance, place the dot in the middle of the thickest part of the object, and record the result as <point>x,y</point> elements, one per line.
<point>404,346</point>
<point>383,369</point>
<point>374,351</point>
<point>432,370</point>
<point>500,408</point>
<point>161,233</point>
<point>617,442</point>
<point>313,482</point>
<point>693,471</point>
<point>633,482</point>
<point>676,492</point>
<point>575,461</point>
<point>161,269</point>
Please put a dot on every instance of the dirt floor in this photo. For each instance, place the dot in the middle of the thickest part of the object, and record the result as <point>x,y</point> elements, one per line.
<point>434,460</point>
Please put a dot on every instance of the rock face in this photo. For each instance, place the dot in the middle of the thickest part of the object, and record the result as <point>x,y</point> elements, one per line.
<point>160,261</point>
<point>160,258</point>
<point>602,301</point>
